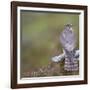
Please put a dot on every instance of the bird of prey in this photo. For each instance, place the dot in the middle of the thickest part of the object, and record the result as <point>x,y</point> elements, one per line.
<point>68,42</point>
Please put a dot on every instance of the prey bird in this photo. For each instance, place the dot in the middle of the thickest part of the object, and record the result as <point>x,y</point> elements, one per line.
<point>70,54</point>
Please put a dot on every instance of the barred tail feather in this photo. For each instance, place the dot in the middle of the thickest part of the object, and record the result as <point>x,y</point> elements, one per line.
<point>70,64</point>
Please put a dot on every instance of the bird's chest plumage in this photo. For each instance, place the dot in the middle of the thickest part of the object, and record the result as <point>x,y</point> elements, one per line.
<point>67,39</point>
<point>68,36</point>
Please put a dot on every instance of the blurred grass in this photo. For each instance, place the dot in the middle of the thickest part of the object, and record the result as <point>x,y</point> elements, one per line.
<point>40,33</point>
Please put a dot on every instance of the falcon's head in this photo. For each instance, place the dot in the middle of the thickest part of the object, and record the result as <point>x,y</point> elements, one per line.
<point>68,27</point>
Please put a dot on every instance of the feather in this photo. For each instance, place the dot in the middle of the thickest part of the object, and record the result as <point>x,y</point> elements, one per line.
<point>62,56</point>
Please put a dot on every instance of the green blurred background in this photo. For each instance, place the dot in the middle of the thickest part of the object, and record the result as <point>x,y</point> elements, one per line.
<point>40,32</point>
